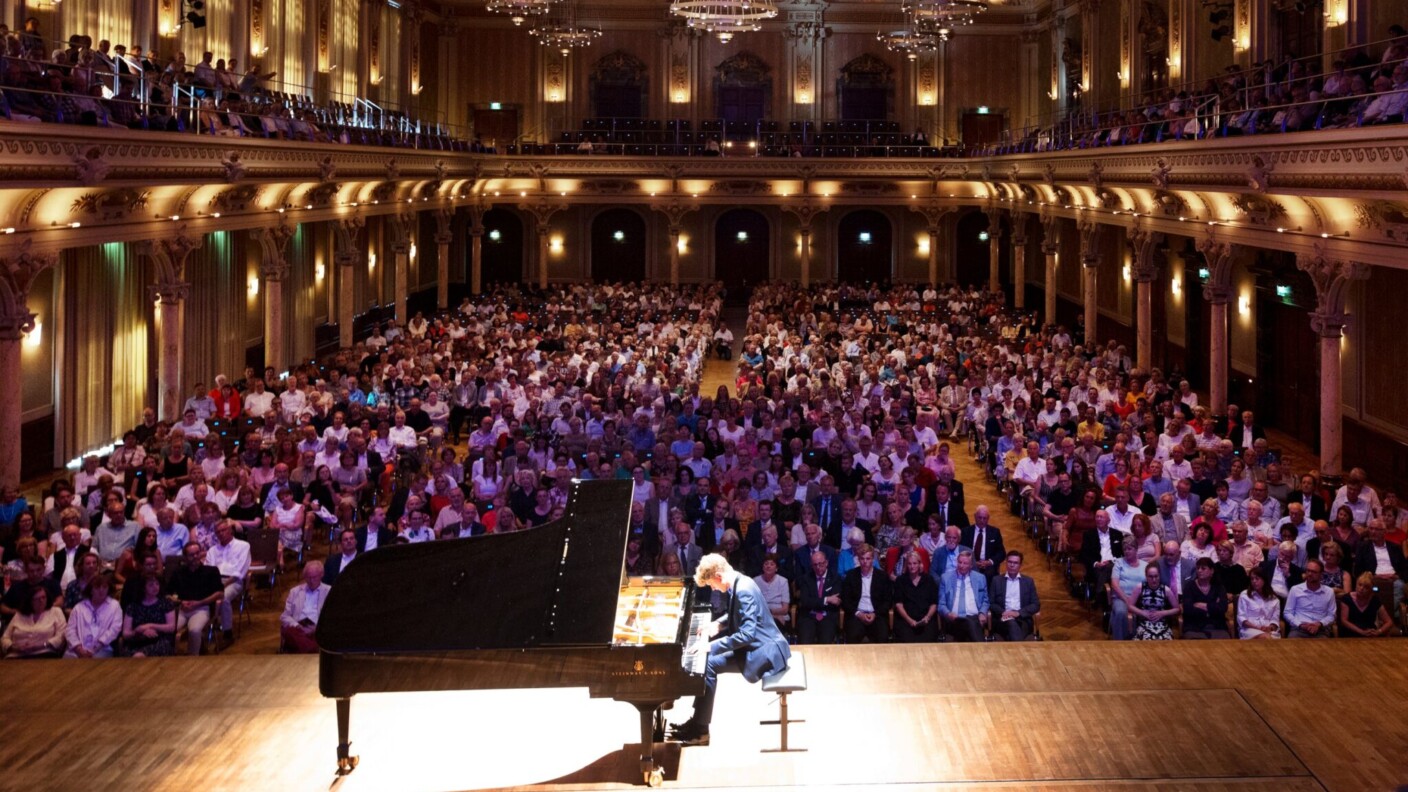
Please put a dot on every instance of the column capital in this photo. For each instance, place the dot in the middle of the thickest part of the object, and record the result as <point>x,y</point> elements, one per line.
<point>1019,240</point>
<point>273,242</point>
<point>347,230</point>
<point>477,210</point>
<point>933,212</point>
<point>16,276</point>
<point>542,212</point>
<point>1090,232</point>
<point>170,256</point>
<point>1148,252</point>
<point>402,227</point>
<point>1331,277</point>
<point>1218,257</point>
<point>805,212</point>
<point>675,212</point>
<point>1328,325</point>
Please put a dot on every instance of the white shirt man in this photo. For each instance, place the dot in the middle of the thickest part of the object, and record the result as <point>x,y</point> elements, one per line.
<point>302,609</point>
<point>231,557</point>
<point>258,402</point>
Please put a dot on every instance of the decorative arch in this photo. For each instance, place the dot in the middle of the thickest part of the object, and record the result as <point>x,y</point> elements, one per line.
<point>865,247</point>
<point>742,88</point>
<point>619,245</point>
<point>742,249</point>
<point>866,87</point>
<point>502,247</point>
<point>619,86</point>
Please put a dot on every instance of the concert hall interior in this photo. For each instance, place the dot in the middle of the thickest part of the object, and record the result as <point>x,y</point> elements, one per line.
<point>377,376</point>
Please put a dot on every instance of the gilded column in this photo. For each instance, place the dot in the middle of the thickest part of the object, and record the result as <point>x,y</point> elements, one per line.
<point>16,276</point>
<point>1148,250</point>
<point>1090,234</point>
<point>1051,248</point>
<point>1332,278</point>
<point>273,271</point>
<point>1218,292</point>
<point>169,256</point>
<point>444,235</point>
<point>402,228</point>
<point>348,256</point>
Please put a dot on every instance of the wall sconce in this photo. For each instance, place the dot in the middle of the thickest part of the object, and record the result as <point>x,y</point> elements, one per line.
<point>678,97</point>
<point>1244,305</point>
<point>1242,43</point>
<point>1125,272</point>
<point>924,245</point>
<point>1176,286</point>
<point>35,336</point>
<point>494,235</point>
<point>555,244</point>
<point>253,287</point>
<point>555,96</point>
<point>926,100</point>
<point>804,98</point>
<point>320,271</point>
<point>371,261</point>
<point>416,89</point>
<point>683,244</point>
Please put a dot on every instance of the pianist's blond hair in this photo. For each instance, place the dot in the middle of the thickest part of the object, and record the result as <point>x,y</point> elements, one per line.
<point>711,566</point>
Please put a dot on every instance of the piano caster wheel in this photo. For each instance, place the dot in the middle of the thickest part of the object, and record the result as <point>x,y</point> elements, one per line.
<point>346,766</point>
<point>655,777</point>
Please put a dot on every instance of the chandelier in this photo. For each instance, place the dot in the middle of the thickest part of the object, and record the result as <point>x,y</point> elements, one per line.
<point>724,18</point>
<point>565,35</point>
<point>911,42</point>
<point>519,10</point>
<point>941,16</point>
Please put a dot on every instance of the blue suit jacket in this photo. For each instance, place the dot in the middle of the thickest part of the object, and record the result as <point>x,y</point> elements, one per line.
<point>948,592</point>
<point>938,565</point>
<point>749,627</point>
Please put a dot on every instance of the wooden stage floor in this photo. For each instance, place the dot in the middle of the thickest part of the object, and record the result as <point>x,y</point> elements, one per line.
<point>1283,716</point>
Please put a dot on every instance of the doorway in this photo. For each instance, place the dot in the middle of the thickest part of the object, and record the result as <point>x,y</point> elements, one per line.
<point>865,249</point>
<point>501,251</point>
<point>618,246</point>
<point>742,251</point>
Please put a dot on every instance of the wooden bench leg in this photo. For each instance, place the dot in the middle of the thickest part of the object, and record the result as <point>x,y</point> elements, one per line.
<point>782,721</point>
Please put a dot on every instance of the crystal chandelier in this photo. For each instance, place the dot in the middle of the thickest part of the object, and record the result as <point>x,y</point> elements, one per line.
<point>724,18</point>
<point>941,16</point>
<point>519,11</point>
<point>565,35</point>
<point>911,42</point>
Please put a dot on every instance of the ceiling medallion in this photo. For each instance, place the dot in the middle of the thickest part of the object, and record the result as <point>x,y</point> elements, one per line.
<point>519,11</point>
<point>724,18</point>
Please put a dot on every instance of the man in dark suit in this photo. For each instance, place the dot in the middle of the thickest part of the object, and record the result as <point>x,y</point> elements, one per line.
<point>70,552</point>
<point>803,556</point>
<point>685,548</point>
<point>949,511</point>
<point>1100,549</point>
<point>744,639</point>
<point>268,494</point>
<point>657,513</point>
<point>1384,560</point>
<point>344,554</point>
<point>986,541</point>
<point>699,506</point>
<point>1315,506</point>
<point>371,536</point>
<point>827,507</point>
<point>866,598</point>
<point>1316,546</point>
<point>818,601</point>
<point>1014,602</point>
<point>712,532</point>
<point>768,544</point>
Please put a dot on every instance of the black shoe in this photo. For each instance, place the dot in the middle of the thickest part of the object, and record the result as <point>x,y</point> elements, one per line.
<point>689,733</point>
<point>229,635</point>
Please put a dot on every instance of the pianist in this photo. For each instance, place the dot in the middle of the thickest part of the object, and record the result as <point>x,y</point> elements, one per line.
<point>744,639</point>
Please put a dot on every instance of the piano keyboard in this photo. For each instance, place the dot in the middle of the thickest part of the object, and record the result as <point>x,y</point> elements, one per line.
<point>696,648</point>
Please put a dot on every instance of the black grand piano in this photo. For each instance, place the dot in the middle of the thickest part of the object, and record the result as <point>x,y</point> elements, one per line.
<point>545,607</point>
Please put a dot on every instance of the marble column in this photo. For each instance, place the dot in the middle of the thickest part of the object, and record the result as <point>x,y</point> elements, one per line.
<point>169,257</point>
<point>806,233</point>
<point>1144,269</point>
<point>402,231</point>
<point>542,216</point>
<point>933,221</point>
<point>16,275</point>
<point>348,256</point>
<point>1331,278</point>
<point>444,235</point>
<point>1090,233</point>
<point>273,271</point>
<point>1217,291</point>
<point>476,248</point>
<point>542,255</point>
<point>933,255</point>
<point>1019,270</point>
<point>994,252</point>
<point>1050,248</point>
<point>674,255</point>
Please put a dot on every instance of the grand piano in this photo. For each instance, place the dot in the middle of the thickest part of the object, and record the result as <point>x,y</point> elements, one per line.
<point>545,607</point>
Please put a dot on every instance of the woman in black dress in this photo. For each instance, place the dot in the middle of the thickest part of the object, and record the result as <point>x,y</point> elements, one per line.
<point>149,625</point>
<point>1362,614</point>
<point>916,602</point>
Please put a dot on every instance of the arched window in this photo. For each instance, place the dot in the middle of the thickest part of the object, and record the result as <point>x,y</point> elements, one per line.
<point>742,89</point>
<point>619,86</point>
<point>867,89</point>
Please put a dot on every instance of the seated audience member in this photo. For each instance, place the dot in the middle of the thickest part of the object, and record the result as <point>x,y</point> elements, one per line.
<point>866,599</point>
<point>1126,576</point>
<point>95,623</point>
<point>776,591</point>
<point>916,601</point>
<point>21,591</point>
<point>36,631</point>
<point>1153,604</point>
<point>1282,572</point>
<point>1361,613</point>
<point>149,623</point>
<point>1311,608</point>
<point>818,602</point>
<point>299,621</point>
<point>1383,560</point>
<point>230,556</point>
<point>1014,601</point>
<point>1258,609</point>
<point>963,600</point>
<point>197,589</point>
<point>1204,604</point>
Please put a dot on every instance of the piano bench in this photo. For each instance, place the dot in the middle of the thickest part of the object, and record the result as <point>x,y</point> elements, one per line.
<point>792,679</point>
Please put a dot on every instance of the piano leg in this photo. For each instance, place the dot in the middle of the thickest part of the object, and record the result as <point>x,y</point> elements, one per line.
<point>651,773</point>
<point>345,763</point>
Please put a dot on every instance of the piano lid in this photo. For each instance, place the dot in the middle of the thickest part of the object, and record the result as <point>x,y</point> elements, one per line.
<point>556,584</point>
